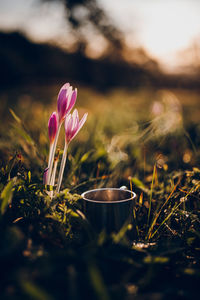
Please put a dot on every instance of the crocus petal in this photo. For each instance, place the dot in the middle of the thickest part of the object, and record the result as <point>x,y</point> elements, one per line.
<point>62,101</point>
<point>61,105</point>
<point>68,127</point>
<point>75,119</point>
<point>65,86</point>
<point>72,101</point>
<point>69,95</point>
<point>82,121</point>
<point>67,119</point>
<point>76,124</point>
<point>80,125</point>
<point>64,89</point>
<point>70,124</point>
<point>52,126</point>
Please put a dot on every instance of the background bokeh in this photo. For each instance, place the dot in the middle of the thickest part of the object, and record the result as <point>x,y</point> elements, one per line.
<point>136,65</point>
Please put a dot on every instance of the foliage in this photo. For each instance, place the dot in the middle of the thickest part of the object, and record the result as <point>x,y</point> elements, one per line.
<point>49,251</point>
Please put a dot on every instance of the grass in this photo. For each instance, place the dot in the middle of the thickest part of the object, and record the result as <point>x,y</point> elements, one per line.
<point>147,140</point>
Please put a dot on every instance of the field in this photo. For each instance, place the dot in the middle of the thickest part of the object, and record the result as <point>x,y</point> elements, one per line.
<point>145,139</point>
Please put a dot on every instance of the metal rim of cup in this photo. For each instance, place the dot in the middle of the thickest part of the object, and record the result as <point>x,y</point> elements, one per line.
<point>133,195</point>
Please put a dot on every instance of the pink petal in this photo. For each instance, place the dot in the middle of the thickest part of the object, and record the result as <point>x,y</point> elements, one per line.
<point>65,86</point>
<point>62,104</point>
<point>68,127</point>
<point>75,119</point>
<point>62,101</point>
<point>80,125</point>
<point>67,118</point>
<point>52,126</point>
<point>69,95</point>
<point>72,101</point>
<point>83,120</point>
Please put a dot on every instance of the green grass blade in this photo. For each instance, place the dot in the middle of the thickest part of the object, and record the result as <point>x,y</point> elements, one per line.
<point>151,194</point>
<point>6,196</point>
<point>17,119</point>
<point>97,282</point>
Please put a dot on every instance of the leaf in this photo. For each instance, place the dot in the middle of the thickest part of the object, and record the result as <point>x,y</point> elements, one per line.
<point>20,129</point>
<point>85,156</point>
<point>156,260</point>
<point>34,291</point>
<point>97,282</point>
<point>15,116</point>
<point>25,135</point>
<point>141,199</point>
<point>117,237</point>
<point>189,271</point>
<point>29,176</point>
<point>139,184</point>
<point>6,196</point>
<point>190,241</point>
<point>10,165</point>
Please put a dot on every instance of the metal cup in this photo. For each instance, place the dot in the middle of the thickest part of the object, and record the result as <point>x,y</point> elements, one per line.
<point>108,208</point>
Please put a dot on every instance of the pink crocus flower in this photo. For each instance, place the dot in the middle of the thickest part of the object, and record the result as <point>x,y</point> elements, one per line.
<point>66,100</point>
<point>72,127</point>
<point>52,126</point>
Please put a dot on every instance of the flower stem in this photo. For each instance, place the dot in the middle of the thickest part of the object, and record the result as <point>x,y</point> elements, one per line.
<point>62,167</point>
<point>52,154</point>
<point>53,176</point>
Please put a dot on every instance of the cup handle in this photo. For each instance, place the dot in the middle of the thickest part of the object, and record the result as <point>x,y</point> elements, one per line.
<point>123,188</point>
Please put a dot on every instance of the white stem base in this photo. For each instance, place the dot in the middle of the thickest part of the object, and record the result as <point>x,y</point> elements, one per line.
<point>52,154</point>
<point>62,167</point>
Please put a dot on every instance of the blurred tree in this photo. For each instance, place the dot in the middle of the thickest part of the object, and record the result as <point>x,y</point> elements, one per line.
<point>82,12</point>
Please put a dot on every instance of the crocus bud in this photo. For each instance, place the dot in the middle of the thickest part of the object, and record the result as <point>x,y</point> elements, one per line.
<point>73,125</point>
<point>66,101</point>
<point>53,126</point>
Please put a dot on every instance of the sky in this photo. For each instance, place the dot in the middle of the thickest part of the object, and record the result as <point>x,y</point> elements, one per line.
<point>166,29</point>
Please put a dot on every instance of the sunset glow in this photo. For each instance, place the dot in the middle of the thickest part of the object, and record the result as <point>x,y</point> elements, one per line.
<point>164,28</point>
